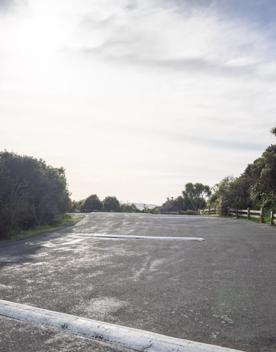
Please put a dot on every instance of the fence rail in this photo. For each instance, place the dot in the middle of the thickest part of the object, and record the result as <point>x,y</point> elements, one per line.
<point>208,211</point>
<point>248,213</point>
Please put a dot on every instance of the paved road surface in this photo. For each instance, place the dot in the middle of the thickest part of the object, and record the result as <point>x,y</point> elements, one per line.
<point>220,291</point>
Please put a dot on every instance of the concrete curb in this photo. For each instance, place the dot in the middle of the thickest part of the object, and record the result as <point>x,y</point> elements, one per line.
<point>138,340</point>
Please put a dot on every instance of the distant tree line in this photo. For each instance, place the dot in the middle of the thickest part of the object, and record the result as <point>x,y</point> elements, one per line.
<point>193,198</point>
<point>32,193</point>
<point>108,204</point>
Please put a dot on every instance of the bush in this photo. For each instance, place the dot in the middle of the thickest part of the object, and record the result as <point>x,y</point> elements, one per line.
<point>189,212</point>
<point>111,204</point>
<point>31,193</point>
<point>92,203</point>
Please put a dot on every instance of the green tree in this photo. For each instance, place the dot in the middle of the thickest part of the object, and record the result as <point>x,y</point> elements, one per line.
<point>111,204</point>
<point>194,196</point>
<point>255,188</point>
<point>92,203</point>
<point>231,193</point>
<point>262,176</point>
<point>129,208</point>
<point>31,192</point>
<point>172,205</point>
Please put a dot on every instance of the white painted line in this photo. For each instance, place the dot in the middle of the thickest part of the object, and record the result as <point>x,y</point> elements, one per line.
<point>138,340</point>
<point>133,237</point>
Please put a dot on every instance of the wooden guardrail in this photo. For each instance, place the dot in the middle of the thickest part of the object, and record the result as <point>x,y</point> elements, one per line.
<point>208,211</point>
<point>272,217</point>
<point>248,213</point>
<point>243,213</point>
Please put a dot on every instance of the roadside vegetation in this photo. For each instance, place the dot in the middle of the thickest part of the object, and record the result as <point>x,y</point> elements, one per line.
<point>255,188</point>
<point>193,198</point>
<point>108,204</point>
<point>32,194</point>
<point>64,221</point>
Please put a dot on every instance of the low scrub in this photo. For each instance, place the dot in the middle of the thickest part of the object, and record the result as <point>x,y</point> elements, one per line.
<point>64,221</point>
<point>32,193</point>
<point>189,212</point>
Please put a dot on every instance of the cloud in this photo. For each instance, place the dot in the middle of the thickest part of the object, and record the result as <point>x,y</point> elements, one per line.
<point>147,87</point>
<point>181,137</point>
<point>9,5</point>
<point>202,37</point>
<point>196,66</point>
<point>258,11</point>
<point>5,4</point>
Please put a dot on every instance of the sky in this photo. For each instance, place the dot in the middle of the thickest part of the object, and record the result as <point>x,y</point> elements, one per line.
<point>135,98</point>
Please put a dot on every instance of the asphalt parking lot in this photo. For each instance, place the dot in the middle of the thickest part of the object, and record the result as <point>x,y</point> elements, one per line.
<point>221,290</point>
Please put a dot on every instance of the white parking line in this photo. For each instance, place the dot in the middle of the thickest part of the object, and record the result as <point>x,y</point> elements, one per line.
<point>138,340</point>
<point>133,237</point>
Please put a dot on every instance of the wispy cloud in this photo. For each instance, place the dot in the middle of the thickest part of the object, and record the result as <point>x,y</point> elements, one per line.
<point>184,36</point>
<point>179,137</point>
<point>140,87</point>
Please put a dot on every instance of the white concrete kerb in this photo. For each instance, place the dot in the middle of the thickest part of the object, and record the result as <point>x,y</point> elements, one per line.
<point>137,340</point>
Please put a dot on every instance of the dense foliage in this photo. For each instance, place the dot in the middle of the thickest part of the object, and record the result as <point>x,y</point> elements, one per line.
<point>193,198</point>
<point>255,188</point>
<point>31,193</point>
<point>129,208</point>
<point>109,204</point>
<point>92,203</point>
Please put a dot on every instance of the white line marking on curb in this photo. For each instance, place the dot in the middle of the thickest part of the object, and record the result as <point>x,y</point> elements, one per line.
<point>133,237</point>
<point>138,340</point>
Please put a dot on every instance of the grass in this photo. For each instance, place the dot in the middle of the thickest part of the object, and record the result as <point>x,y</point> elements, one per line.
<point>189,212</point>
<point>66,220</point>
<point>257,220</point>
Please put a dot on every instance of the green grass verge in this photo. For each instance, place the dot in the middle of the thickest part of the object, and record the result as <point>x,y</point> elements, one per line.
<point>66,220</point>
<point>256,220</point>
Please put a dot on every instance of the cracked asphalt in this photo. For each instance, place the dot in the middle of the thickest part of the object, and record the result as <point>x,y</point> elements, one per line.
<point>220,291</point>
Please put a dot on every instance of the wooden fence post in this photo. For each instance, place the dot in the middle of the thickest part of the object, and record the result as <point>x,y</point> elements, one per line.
<point>209,211</point>
<point>262,215</point>
<point>237,213</point>
<point>248,213</point>
<point>272,217</point>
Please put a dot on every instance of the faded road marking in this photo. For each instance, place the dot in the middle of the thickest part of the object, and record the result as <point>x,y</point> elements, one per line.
<point>133,237</point>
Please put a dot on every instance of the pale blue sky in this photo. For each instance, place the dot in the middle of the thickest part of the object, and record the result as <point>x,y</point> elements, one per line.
<point>136,98</point>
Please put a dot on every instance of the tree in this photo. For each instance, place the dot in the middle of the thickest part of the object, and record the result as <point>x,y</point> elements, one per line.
<point>262,176</point>
<point>194,196</point>
<point>129,208</point>
<point>111,204</point>
<point>31,193</point>
<point>255,188</point>
<point>172,205</point>
<point>231,193</point>
<point>92,203</point>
